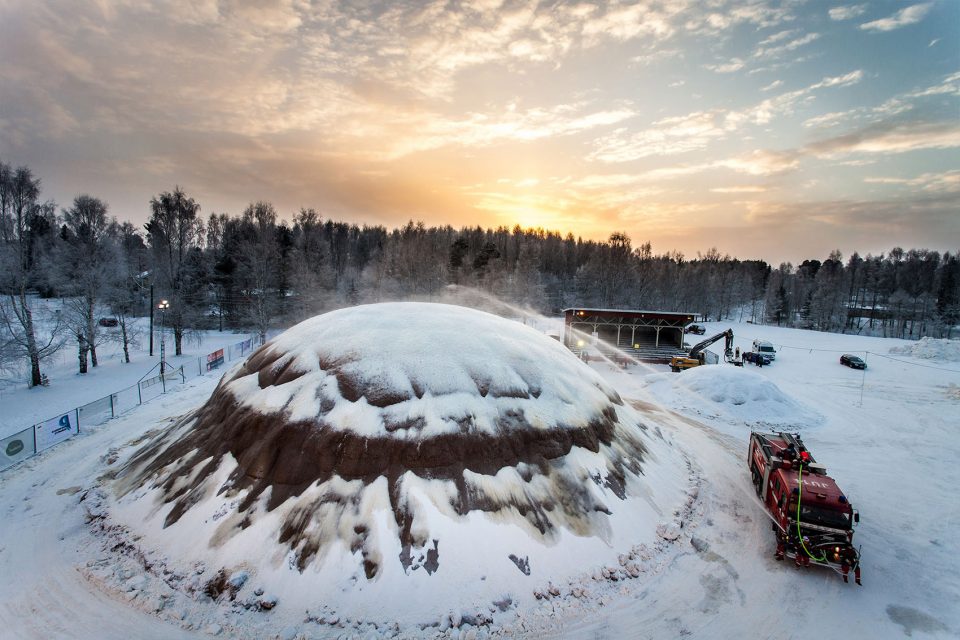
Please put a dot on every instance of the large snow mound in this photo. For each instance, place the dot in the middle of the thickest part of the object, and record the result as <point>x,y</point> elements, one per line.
<point>424,453</point>
<point>734,394</point>
<point>931,349</point>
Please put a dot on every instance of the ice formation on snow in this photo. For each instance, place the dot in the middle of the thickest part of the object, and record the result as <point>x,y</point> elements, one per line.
<point>382,432</point>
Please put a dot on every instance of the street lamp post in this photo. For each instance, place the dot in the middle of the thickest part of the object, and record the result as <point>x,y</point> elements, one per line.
<point>163,306</point>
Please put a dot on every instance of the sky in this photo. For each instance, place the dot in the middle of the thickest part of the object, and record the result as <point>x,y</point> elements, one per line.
<point>769,130</point>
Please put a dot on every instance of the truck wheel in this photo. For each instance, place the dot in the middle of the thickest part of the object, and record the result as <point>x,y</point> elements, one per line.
<point>756,480</point>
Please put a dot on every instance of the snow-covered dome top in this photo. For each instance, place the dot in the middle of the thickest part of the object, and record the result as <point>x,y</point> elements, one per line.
<point>384,430</point>
<point>415,371</point>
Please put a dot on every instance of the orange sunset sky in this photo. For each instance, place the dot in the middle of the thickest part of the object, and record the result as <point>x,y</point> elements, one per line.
<point>774,130</point>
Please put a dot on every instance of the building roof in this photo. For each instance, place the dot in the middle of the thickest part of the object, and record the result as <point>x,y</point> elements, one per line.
<point>629,312</point>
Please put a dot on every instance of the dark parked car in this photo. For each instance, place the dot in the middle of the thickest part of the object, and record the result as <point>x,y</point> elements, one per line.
<point>698,329</point>
<point>755,356</point>
<point>852,361</point>
<point>108,322</point>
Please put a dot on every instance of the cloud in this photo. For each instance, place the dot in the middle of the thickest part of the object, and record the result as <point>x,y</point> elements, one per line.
<point>847,12</point>
<point>773,85</point>
<point>765,111</point>
<point>667,136</point>
<point>895,105</point>
<point>949,86</point>
<point>838,81</point>
<point>759,14</point>
<point>735,64</point>
<point>890,138</point>
<point>766,52</point>
<point>778,36</point>
<point>906,16</point>
<point>944,182</point>
<point>762,162</point>
<point>626,22</point>
<point>658,55</point>
<point>428,130</point>
<point>827,119</point>
<point>740,189</point>
<point>695,131</point>
<point>769,48</point>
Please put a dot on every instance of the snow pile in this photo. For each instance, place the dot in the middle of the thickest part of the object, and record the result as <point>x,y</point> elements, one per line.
<point>734,395</point>
<point>401,460</point>
<point>931,349</point>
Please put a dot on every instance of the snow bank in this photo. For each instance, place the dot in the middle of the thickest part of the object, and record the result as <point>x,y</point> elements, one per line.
<point>931,349</point>
<point>401,460</point>
<point>735,395</point>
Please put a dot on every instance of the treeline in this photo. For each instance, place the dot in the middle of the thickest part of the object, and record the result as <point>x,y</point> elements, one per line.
<point>257,271</point>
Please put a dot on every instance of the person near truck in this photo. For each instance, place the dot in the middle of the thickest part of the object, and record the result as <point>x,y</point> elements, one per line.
<point>850,558</point>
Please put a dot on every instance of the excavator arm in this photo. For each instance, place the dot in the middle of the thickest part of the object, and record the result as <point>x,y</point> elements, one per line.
<point>695,357</point>
<point>700,346</point>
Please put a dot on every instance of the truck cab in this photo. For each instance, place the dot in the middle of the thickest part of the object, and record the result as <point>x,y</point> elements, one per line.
<point>765,348</point>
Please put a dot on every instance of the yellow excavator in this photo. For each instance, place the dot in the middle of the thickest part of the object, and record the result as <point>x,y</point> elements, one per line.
<point>696,356</point>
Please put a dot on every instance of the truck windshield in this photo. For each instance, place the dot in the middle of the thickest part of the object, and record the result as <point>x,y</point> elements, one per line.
<point>824,517</point>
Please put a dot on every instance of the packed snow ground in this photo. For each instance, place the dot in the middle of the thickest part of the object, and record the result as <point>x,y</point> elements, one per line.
<point>890,436</point>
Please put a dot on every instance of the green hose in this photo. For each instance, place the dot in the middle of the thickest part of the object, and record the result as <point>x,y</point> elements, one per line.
<point>800,535</point>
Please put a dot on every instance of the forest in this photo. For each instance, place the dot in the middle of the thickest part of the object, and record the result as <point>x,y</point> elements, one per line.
<point>257,271</point>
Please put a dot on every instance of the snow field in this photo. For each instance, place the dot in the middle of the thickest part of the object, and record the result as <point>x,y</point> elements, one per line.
<point>894,454</point>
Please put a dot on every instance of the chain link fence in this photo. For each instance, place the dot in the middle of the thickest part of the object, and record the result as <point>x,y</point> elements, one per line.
<point>28,442</point>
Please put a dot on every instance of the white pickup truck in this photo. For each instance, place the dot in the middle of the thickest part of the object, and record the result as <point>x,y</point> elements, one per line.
<point>765,348</point>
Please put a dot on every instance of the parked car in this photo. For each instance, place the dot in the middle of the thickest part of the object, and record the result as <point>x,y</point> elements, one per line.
<point>108,322</point>
<point>755,356</point>
<point>852,361</point>
<point>764,347</point>
<point>698,329</point>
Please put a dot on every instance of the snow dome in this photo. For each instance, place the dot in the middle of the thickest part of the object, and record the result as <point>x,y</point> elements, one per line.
<point>404,449</point>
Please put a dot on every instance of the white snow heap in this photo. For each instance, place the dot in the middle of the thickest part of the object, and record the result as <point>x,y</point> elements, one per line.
<point>736,394</point>
<point>368,443</point>
<point>931,349</point>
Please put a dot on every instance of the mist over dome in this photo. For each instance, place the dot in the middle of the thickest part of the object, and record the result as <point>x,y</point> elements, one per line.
<point>393,446</point>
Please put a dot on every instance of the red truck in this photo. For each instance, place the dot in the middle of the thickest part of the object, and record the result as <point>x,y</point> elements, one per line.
<point>812,519</point>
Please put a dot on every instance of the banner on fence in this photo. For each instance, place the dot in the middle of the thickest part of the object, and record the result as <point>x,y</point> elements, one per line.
<point>214,359</point>
<point>17,447</point>
<point>57,430</point>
